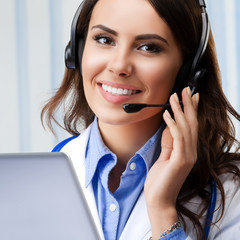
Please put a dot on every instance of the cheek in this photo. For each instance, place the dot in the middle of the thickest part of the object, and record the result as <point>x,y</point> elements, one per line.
<point>160,75</point>
<point>88,72</point>
<point>91,63</point>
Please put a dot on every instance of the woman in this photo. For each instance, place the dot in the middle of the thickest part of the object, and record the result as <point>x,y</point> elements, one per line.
<point>133,52</point>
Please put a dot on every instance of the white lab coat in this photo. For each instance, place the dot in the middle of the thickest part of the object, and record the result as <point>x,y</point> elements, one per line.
<point>138,225</point>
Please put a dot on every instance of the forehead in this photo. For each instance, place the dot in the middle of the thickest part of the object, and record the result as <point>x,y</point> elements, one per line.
<point>123,15</point>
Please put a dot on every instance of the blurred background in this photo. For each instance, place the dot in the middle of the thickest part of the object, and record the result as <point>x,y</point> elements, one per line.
<point>33,36</point>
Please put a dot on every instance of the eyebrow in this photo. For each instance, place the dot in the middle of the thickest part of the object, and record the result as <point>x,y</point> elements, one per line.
<point>151,36</point>
<point>106,29</point>
<point>139,37</point>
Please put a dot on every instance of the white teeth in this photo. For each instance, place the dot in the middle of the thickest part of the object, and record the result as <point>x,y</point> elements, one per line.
<point>114,90</point>
<point>118,91</point>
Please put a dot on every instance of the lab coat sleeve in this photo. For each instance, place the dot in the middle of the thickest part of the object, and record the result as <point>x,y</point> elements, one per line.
<point>229,225</point>
<point>177,234</point>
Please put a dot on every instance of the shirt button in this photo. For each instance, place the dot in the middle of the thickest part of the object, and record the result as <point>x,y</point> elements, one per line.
<point>113,207</point>
<point>133,166</point>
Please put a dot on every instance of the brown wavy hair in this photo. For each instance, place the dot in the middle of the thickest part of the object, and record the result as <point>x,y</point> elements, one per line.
<point>216,133</point>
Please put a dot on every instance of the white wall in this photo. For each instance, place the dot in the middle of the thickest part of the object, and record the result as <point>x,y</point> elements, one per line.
<point>32,42</point>
<point>33,37</point>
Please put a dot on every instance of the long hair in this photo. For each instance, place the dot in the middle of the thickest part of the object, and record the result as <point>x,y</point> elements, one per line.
<point>77,113</point>
<point>216,133</point>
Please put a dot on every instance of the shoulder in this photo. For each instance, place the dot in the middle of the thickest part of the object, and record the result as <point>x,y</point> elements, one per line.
<point>231,183</point>
<point>224,223</point>
<point>231,186</point>
<point>228,227</point>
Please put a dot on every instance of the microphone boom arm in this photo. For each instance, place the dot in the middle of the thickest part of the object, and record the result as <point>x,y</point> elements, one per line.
<point>136,107</point>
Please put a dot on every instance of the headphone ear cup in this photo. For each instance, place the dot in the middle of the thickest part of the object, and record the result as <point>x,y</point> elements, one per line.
<point>182,77</point>
<point>70,60</point>
<point>196,80</point>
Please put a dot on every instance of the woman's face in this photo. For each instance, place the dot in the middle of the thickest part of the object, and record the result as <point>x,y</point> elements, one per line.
<point>130,56</point>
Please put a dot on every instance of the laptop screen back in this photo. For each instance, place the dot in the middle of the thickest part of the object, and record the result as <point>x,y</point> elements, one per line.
<point>40,198</point>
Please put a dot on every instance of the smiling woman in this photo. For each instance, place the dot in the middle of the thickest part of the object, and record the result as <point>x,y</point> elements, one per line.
<point>154,172</point>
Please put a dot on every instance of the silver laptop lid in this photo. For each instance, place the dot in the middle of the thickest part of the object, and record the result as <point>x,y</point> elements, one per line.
<point>41,199</point>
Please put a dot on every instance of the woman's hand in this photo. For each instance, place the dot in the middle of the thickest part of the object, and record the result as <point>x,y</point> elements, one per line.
<point>177,158</point>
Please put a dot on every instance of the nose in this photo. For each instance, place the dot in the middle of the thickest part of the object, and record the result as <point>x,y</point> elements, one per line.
<point>120,63</point>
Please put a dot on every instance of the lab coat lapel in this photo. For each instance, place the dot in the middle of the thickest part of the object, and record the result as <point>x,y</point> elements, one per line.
<point>138,225</point>
<point>75,149</point>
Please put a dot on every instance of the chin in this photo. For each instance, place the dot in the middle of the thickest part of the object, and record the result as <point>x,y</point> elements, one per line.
<point>121,118</point>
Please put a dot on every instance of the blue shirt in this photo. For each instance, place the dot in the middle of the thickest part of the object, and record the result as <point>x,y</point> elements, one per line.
<point>115,208</point>
<point>122,201</point>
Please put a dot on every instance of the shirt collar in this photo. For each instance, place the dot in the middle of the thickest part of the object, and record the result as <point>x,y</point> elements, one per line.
<point>152,148</point>
<point>96,149</point>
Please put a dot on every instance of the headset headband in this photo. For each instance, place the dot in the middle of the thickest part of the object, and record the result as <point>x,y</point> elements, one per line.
<point>203,40</point>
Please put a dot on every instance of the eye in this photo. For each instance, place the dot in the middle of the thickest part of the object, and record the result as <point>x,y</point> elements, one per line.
<point>151,48</point>
<point>104,40</point>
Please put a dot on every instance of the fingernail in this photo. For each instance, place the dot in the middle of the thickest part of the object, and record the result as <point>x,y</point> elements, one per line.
<point>176,97</point>
<point>196,97</point>
<point>189,91</point>
<point>167,114</point>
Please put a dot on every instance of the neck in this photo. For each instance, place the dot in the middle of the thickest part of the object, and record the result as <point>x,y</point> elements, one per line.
<point>126,140</point>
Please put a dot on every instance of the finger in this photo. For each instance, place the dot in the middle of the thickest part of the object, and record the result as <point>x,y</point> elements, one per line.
<point>166,144</point>
<point>190,111</point>
<point>178,140</point>
<point>181,156</point>
<point>195,99</point>
<point>183,124</point>
<point>190,103</point>
<point>180,118</point>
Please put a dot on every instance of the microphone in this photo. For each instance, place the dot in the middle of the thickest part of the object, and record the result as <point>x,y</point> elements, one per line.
<point>136,107</point>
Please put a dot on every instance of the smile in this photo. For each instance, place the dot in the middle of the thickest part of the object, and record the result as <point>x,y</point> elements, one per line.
<point>118,91</point>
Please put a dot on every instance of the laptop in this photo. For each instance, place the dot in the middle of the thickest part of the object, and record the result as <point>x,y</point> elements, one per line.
<point>41,199</point>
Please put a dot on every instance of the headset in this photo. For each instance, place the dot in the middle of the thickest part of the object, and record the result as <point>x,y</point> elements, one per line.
<point>189,72</point>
